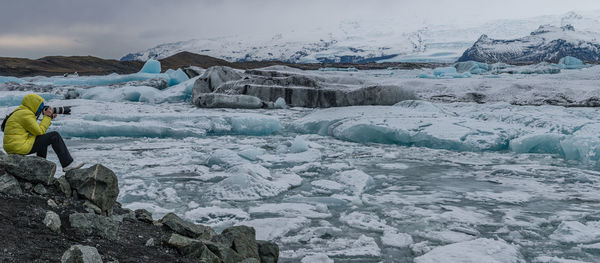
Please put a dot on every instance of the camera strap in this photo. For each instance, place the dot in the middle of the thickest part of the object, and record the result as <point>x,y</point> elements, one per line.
<point>6,118</point>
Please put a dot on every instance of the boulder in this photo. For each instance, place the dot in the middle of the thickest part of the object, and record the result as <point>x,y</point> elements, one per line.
<point>64,186</point>
<point>97,184</point>
<point>192,248</point>
<point>52,204</point>
<point>10,185</point>
<point>222,251</point>
<point>242,239</point>
<point>52,221</point>
<point>218,100</point>
<point>143,215</point>
<point>81,254</point>
<point>268,251</point>
<point>30,168</point>
<point>185,228</point>
<point>40,189</point>
<point>92,224</point>
<point>92,208</point>
<point>250,260</point>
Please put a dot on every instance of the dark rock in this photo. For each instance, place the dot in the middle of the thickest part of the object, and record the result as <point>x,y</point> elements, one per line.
<point>52,204</point>
<point>52,221</point>
<point>64,186</point>
<point>27,186</point>
<point>97,184</point>
<point>30,168</point>
<point>242,239</point>
<point>143,215</point>
<point>222,251</point>
<point>268,251</point>
<point>92,208</point>
<point>188,229</point>
<point>10,185</point>
<point>250,260</point>
<point>40,189</point>
<point>150,242</point>
<point>192,72</point>
<point>92,224</point>
<point>81,254</point>
<point>192,248</point>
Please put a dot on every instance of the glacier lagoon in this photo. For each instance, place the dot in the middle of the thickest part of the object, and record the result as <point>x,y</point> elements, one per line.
<point>421,180</point>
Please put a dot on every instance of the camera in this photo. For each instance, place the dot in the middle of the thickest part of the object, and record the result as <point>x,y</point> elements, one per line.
<point>60,110</point>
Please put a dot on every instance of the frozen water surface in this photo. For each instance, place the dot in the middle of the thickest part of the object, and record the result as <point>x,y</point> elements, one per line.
<point>422,181</point>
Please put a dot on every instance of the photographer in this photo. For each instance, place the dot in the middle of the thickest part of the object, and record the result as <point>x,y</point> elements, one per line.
<point>24,135</point>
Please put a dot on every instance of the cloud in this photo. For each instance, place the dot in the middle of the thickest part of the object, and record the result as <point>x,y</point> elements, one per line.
<point>25,42</point>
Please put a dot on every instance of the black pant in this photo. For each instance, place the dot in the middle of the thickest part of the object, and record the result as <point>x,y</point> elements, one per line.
<point>40,146</point>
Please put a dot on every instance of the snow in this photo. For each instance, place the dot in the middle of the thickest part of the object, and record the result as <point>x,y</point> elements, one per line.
<point>478,250</point>
<point>317,258</point>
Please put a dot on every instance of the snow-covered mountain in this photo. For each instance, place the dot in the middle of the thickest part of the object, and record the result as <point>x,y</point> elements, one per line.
<point>547,43</point>
<point>384,40</point>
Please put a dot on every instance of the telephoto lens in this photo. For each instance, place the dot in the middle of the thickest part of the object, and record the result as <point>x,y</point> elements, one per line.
<point>60,110</point>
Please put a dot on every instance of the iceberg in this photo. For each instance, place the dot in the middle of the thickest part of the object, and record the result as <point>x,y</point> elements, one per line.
<point>569,62</point>
<point>151,66</point>
<point>478,250</point>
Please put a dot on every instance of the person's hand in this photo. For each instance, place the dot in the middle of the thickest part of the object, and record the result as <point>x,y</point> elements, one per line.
<point>53,116</point>
<point>48,112</point>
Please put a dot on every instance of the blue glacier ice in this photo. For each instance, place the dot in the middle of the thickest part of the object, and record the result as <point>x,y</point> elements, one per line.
<point>176,76</point>
<point>569,62</point>
<point>151,66</point>
<point>445,73</point>
<point>472,67</point>
<point>10,79</point>
<point>127,93</point>
<point>438,72</point>
<point>15,99</point>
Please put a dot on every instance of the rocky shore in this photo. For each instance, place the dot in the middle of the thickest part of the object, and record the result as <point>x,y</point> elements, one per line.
<point>75,218</point>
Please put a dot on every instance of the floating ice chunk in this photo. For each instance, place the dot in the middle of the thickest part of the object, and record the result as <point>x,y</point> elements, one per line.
<point>176,76</point>
<point>547,259</point>
<point>364,221</point>
<point>311,155</point>
<point>569,62</point>
<point>298,145</point>
<point>478,250</point>
<point>151,66</point>
<point>392,166</point>
<point>15,99</point>
<point>575,232</point>
<point>181,92</point>
<point>273,228</point>
<point>216,216</point>
<point>87,129</point>
<point>447,236</point>
<point>252,153</point>
<point>469,215</point>
<point>228,158</point>
<point>392,238</point>
<point>317,258</point>
<point>10,79</point>
<point>218,100</point>
<point>513,197</point>
<point>327,185</point>
<point>444,71</point>
<point>357,180</point>
<point>472,67</point>
<point>292,210</point>
<point>127,93</point>
<point>280,104</point>
<point>252,182</point>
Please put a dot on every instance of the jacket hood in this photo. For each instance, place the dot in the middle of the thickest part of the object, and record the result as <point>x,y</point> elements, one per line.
<point>32,102</point>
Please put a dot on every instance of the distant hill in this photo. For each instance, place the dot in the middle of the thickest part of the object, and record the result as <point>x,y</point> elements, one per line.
<point>87,65</point>
<point>547,43</point>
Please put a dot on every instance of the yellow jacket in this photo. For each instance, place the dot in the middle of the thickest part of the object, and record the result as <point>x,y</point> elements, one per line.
<point>22,126</point>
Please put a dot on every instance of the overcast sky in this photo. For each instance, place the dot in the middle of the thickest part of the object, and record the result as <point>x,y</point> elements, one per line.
<point>112,28</point>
